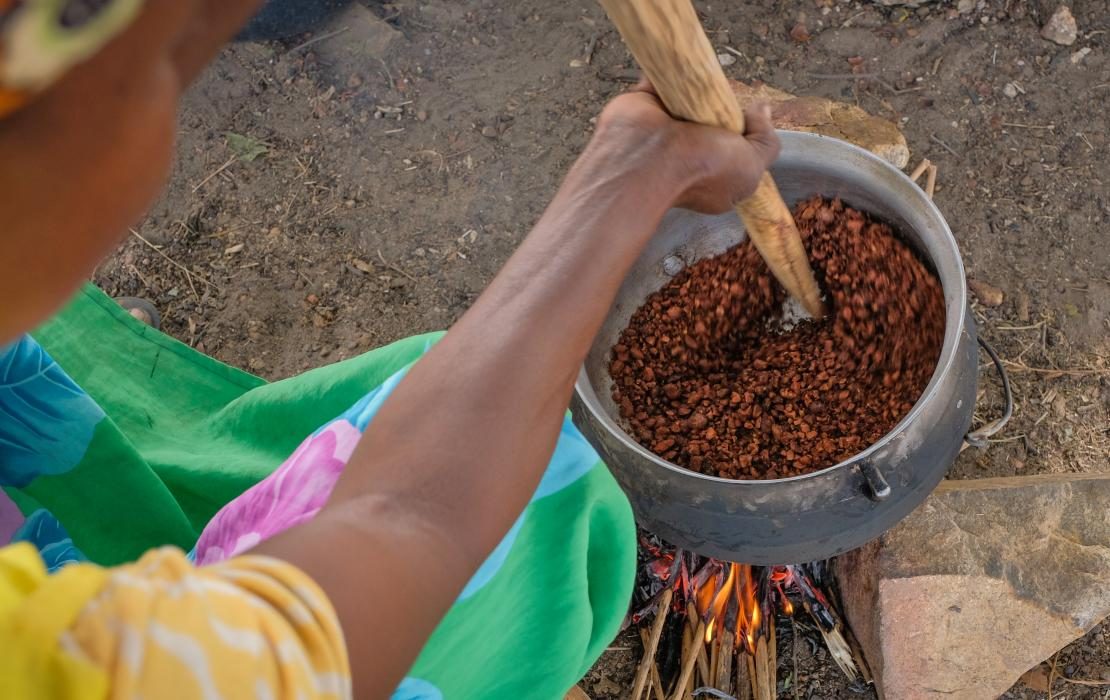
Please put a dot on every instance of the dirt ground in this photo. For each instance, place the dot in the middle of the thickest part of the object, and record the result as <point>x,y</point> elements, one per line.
<point>340,190</point>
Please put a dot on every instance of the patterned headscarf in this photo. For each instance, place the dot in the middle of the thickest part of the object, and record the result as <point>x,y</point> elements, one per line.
<point>42,39</point>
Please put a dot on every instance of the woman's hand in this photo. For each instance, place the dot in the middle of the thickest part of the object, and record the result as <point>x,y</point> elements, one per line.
<point>713,167</point>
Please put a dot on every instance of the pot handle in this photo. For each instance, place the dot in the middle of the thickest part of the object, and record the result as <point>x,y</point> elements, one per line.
<point>978,438</point>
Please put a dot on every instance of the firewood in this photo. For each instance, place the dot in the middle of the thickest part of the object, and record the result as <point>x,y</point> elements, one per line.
<point>695,651</point>
<point>656,684</point>
<point>653,644</point>
<point>724,661</point>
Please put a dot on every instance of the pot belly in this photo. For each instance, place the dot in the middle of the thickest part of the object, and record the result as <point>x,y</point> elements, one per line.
<point>806,518</point>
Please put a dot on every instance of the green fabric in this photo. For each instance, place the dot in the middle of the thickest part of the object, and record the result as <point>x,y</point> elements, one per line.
<point>553,607</point>
<point>184,434</point>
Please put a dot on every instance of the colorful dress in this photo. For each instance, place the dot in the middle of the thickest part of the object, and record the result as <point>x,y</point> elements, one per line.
<point>156,445</point>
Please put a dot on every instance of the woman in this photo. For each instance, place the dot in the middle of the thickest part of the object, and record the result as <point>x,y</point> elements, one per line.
<point>432,528</point>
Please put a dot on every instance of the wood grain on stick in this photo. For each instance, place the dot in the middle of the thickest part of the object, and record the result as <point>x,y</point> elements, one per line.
<point>652,645</point>
<point>667,39</point>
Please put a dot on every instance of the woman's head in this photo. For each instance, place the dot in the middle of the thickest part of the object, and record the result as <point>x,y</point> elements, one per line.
<point>88,151</point>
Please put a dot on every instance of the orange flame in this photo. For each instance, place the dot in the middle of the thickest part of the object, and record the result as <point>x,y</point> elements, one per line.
<point>720,600</point>
<point>749,617</point>
<point>711,601</point>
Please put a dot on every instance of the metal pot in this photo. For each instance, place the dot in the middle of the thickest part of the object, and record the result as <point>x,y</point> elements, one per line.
<point>818,515</point>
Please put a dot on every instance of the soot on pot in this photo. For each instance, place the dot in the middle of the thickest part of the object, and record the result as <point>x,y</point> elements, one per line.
<point>710,376</point>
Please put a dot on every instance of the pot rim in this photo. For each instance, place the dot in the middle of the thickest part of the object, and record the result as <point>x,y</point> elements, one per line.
<point>949,347</point>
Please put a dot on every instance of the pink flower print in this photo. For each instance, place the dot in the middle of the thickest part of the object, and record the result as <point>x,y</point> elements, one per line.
<point>10,518</point>
<point>291,495</point>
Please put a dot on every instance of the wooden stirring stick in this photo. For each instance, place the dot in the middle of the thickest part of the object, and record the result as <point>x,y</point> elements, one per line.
<point>667,39</point>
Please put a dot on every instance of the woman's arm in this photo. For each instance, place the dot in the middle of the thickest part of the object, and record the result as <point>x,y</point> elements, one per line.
<point>454,454</point>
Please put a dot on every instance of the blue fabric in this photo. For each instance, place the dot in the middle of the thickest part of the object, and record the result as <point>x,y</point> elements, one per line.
<point>46,420</point>
<point>53,542</point>
<point>416,689</point>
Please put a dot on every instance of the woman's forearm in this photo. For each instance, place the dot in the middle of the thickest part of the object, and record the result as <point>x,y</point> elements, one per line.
<point>453,456</point>
<point>507,368</point>
<point>457,450</point>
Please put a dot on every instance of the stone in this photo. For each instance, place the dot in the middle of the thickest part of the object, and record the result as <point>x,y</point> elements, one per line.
<point>1061,28</point>
<point>985,580</point>
<point>1077,57</point>
<point>828,118</point>
<point>986,293</point>
<point>965,6</point>
<point>357,36</point>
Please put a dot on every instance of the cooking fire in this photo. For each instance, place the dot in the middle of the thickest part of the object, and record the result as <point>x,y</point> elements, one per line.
<point>708,626</point>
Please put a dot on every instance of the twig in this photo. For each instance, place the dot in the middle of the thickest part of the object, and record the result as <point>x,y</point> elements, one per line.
<point>714,659</point>
<point>1030,327</point>
<point>188,273</point>
<point>653,643</point>
<point>219,170</point>
<point>794,655</point>
<point>393,267</point>
<point>735,52</point>
<point>317,39</point>
<point>699,639</point>
<point>1081,681</point>
<point>1048,127</point>
<point>1052,674</point>
<point>931,181</point>
<point>388,74</point>
<point>690,661</point>
<point>935,139</point>
<point>656,683</point>
<point>1075,372</point>
<point>591,46</point>
<point>924,165</point>
<point>864,76</point>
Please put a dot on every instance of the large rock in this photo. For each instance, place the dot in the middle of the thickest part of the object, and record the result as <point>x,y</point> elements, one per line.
<point>358,38</point>
<point>829,118</point>
<point>982,582</point>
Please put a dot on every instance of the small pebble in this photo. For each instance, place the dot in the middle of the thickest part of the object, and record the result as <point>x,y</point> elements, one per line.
<point>1061,27</point>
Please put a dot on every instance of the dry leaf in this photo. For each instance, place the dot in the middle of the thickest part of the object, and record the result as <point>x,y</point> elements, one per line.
<point>799,33</point>
<point>1036,679</point>
<point>246,148</point>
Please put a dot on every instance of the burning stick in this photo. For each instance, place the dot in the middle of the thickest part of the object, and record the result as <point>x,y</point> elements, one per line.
<point>743,680</point>
<point>818,607</point>
<point>653,644</point>
<point>714,660</point>
<point>722,674</point>
<point>762,666</point>
<point>730,612</point>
